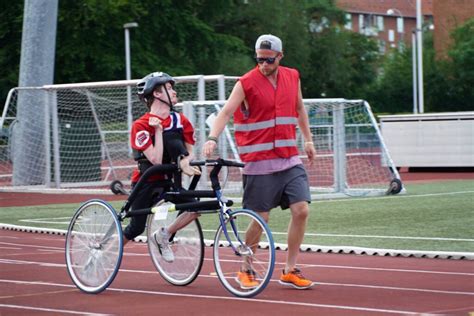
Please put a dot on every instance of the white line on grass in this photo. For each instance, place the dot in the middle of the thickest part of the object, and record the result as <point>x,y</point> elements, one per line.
<point>391,197</point>
<point>48,220</point>
<point>370,236</point>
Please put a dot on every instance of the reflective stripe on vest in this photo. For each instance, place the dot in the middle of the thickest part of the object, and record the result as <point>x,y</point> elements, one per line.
<point>266,146</point>
<point>284,120</point>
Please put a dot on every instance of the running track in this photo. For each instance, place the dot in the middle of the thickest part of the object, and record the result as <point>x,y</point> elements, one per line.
<point>34,281</point>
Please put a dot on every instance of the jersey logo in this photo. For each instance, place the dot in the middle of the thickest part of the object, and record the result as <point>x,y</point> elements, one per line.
<point>142,138</point>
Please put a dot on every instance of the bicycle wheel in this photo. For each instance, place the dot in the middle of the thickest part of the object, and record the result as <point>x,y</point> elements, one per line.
<point>94,246</point>
<point>258,256</point>
<point>188,248</point>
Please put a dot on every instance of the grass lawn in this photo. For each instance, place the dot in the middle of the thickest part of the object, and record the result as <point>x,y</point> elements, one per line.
<point>431,216</point>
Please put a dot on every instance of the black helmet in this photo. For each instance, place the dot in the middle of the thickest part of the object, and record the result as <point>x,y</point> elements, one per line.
<point>146,86</point>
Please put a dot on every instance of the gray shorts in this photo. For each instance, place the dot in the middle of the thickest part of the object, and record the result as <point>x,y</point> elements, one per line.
<point>283,188</point>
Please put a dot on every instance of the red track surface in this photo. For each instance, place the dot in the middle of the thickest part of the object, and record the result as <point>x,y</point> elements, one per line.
<point>34,281</point>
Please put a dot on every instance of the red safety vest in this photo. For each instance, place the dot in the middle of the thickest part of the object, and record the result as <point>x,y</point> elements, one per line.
<point>267,129</point>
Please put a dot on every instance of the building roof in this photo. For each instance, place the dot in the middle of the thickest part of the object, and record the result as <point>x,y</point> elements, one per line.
<point>407,8</point>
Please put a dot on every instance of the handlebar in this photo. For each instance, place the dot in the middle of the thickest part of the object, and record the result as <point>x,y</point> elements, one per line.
<point>172,168</point>
<point>217,162</point>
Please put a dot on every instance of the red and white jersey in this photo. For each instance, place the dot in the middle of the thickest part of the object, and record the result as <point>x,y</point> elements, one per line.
<point>143,135</point>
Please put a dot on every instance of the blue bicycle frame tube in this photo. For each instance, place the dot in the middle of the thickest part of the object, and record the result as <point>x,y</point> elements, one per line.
<point>224,228</point>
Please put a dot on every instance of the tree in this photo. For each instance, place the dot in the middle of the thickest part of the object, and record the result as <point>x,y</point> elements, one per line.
<point>197,37</point>
<point>342,64</point>
<point>461,73</point>
<point>171,37</point>
<point>11,21</point>
<point>392,92</point>
<point>447,82</point>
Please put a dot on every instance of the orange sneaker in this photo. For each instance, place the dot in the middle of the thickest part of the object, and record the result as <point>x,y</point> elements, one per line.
<point>247,280</point>
<point>295,279</point>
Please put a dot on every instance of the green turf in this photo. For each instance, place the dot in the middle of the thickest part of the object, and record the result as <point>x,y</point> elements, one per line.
<point>443,210</point>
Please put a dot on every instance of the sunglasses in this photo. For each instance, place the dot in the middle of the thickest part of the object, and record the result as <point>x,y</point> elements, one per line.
<point>268,60</point>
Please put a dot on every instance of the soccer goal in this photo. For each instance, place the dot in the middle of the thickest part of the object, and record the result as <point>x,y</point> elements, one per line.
<point>76,137</point>
<point>352,158</point>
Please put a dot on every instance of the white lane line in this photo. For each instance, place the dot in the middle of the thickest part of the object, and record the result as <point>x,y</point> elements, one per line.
<point>306,265</point>
<point>392,288</point>
<point>226,298</point>
<point>11,248</point>
<point>386,269</point>
<point>273,280</point>
<point>30,246</point>
<point>51,310</point>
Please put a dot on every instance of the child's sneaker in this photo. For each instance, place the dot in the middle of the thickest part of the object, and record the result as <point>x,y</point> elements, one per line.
<point>246,279</point>
<point>295,279</point>
<point>161,239</point>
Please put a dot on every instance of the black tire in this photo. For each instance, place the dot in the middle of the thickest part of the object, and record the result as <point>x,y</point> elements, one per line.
<point>188,248</point>
<point>117,187</point>
<point>261,255</point>
<point>395,186</point>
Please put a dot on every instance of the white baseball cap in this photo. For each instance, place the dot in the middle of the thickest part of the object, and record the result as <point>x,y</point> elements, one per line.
<point>268,41</point>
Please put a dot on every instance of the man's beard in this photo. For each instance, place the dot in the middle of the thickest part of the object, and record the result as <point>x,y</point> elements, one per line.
<point>268,72</point>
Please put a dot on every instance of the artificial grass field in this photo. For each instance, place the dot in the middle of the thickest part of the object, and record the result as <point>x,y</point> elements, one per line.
<point>430,217</point>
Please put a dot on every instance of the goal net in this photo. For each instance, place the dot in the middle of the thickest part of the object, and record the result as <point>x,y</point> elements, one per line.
<point>76,136</point>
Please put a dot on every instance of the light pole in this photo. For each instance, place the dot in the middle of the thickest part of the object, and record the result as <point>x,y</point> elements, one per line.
<point>419,22</point>
<point>413,61</point>
<point>128,75</point>
<point>400,14</point>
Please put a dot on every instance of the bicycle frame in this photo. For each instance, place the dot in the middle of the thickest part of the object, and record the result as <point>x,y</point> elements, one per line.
<point>223,216</point>
<point>220,205</point>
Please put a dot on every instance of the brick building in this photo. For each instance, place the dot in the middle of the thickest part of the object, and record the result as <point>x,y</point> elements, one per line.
<point>449,14</point>
<point>390,21</point>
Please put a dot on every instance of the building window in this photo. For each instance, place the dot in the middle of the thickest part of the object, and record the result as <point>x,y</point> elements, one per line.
<point>368,24</point>
<point>391,35</point>
<point>380,23</point>
<point>382,47</point>
<point>400,28</point>
<point>348,25</point>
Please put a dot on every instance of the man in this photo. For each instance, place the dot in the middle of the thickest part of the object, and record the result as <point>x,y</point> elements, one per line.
<point>267,105</point>
<point>159,136</point>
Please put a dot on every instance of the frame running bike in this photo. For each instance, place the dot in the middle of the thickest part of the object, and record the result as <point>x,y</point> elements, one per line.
<point>94,241</point>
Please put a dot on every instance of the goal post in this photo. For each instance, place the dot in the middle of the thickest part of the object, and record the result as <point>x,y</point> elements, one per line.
<point>84,143</point>
<point>351,156</point>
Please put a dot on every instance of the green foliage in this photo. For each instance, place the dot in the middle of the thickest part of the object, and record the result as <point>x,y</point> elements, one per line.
<point>462,70</point>
<point>218,36</point>
<point>393,91</point>
<point>11,21</point>
<point>342,64</point>
<point>447,82</point>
